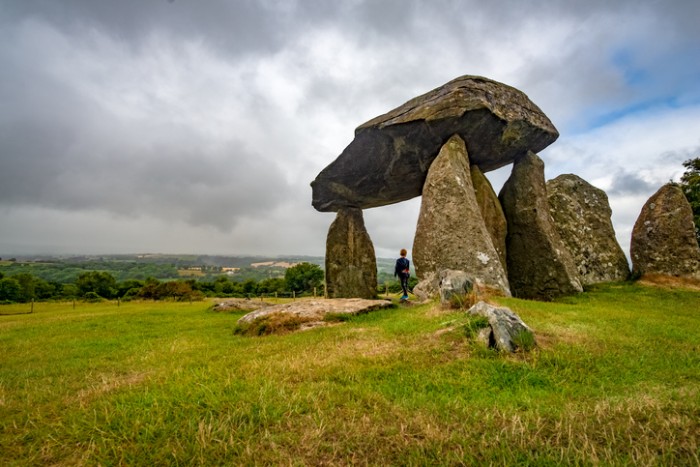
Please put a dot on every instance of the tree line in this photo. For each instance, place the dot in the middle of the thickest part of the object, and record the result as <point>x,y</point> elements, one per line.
<point>303,278</point>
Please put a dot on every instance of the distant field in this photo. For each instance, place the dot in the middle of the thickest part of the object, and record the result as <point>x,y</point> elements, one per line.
<point>616,380</point>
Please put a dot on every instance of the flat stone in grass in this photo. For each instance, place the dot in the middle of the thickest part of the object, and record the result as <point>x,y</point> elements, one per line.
<point>305,314</point>
<point>239,304</point>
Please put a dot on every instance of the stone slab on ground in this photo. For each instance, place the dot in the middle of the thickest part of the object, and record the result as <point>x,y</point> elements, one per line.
<point>239,304</point>
<point>316,309</point>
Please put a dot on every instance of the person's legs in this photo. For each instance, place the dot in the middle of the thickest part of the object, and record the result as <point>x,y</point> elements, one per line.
<point>404,286</point>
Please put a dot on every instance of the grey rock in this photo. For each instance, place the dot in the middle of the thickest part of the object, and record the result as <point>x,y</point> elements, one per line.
<point>451,233</point>
<point>239,304</point>
<point>313,312</point>
<point>491,212</point>
<point>454,285</point>
<point>351,265</point>
<point>540,266</point>
<point>663,237</point>
<point>427,287</point>
<point>581,214</point>
<point>389,158</point>
<point>508,331</point>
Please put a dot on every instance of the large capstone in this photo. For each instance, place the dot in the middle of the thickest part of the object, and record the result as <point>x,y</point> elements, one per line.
<point>389,158</point>
<point>539,264</point>
<point>581,214</point>
<point>351,265</point>
<point>451,233</point>
<point>663,238</point>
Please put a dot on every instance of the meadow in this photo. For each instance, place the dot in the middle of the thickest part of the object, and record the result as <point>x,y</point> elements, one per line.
<point>615,380</point>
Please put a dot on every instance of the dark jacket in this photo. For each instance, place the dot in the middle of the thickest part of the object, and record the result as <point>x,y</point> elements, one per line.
<point>402,267</point>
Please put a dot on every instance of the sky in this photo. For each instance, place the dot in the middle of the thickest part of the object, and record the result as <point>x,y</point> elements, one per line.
<point>181,126</point>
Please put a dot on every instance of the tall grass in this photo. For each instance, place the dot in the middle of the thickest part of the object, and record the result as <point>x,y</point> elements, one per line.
<point>615,380</point>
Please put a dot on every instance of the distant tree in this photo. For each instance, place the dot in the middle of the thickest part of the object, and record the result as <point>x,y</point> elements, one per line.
<point>127,285</point>
<point>10,290</point>
<point>690,184</point>
<point>102,283</point>
<point>149,289</point>
<point>303,277</point>
<point>27,283</point>
<point>268,286</point>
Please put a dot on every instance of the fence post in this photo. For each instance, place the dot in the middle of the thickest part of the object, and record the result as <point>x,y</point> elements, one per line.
<point>314,292</point>
<point>32,311</point>
<point>294,295</point>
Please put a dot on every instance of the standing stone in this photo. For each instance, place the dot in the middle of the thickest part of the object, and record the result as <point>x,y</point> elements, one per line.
<point>451,233</point>
<point>491,212</point>
<point>539,264</point>
<point>351,265</point>
<point>663,238</point>
<point>581,214</point>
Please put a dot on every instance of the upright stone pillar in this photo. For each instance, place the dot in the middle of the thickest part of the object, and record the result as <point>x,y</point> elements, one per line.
<point>663,238</point>
<point>539,264</point>
<point>351,265</point>
<point>581,214</point>
<point>451,233</point>
<point>491,211</point>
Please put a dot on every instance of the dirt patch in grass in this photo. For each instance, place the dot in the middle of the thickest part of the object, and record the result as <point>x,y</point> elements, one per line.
<point>106,383</point>
<point>659,280</point>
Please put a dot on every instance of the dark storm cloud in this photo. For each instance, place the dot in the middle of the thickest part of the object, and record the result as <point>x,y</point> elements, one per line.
<point>239,27</point>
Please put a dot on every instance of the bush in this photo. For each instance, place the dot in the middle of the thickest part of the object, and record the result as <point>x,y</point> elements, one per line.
<point>92,297</point>
<point>304,277</point>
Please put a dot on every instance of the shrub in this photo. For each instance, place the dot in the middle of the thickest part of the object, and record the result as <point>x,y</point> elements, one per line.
<point>92,297</point>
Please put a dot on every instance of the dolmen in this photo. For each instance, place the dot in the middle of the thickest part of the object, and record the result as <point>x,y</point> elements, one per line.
<point>439,146</point>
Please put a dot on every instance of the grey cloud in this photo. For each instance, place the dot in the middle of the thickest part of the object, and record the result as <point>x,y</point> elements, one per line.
<point>629,183</point>
<point>232,146</point>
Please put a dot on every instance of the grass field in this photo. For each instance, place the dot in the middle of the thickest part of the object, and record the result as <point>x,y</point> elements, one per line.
<point>615,381</point>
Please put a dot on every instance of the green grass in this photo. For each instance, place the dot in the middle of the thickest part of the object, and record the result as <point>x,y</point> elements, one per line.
<point>615,380</point>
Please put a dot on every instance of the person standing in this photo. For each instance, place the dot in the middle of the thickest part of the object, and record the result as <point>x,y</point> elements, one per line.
<point>403,271</point>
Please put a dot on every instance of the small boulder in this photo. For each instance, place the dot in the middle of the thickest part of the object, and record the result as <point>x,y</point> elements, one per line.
<point>581,214</point>
<point>540,266</point>
<point>389,158</point>
<point>351,265</point>
<point>454,286</point>
<point>663,238</point>
<point>451,233</point>
<point>508,332</point>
